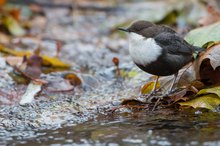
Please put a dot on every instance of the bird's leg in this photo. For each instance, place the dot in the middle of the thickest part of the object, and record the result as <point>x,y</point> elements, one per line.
<point>155,85</point>
<point>173,82</point>
<point>153,89</point>
<point>168,92</point>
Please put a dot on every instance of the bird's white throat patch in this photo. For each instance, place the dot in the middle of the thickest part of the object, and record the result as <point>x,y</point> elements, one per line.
<point>143,50</point>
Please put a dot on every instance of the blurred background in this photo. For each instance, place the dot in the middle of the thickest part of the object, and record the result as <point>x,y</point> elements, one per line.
<point>87,26</point>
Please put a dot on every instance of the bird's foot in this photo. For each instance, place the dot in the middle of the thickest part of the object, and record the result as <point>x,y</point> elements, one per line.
<point>151,96</point>
<point>162,96</point>
<point>156,96</point>
<point>170,92</point>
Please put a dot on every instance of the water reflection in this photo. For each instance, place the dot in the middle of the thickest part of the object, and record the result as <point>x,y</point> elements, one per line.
<point>172,128</point>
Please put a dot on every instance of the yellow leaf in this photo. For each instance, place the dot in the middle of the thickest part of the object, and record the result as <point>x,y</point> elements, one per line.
<point>47,61</point>
<point>13,52</point>
<point>147,88</point>
<point>214,90</point>
<point>13,26</point>
<point>54,62</point>
<point>208,101</point>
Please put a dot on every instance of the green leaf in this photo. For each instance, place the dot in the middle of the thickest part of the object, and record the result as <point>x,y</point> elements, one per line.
<point>13,26</point>
<point>208,101</point>
<point>215,90</point>
<point>202,35</point>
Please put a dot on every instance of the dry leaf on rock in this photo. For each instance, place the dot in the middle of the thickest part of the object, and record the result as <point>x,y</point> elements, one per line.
<point>206,66</point>
<point>73,79</point>
<point>31,91</point>
<point>178,96</point>
<point>33,68</point>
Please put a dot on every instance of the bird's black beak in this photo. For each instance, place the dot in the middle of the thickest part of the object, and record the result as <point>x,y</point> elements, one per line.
<point>123,29</point>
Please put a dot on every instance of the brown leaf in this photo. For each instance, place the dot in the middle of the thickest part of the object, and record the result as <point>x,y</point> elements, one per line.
<point>198,85</point>
<point>73,79</point>
<point>207,65</point>
<point>178,96</point>
<point>15,13</point>
<point>2,2</point>
<point>131,102</point>
<point>134,104</point>
<point>33,68</point>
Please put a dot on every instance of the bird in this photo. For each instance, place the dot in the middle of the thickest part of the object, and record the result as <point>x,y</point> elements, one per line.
<point>159,50</point>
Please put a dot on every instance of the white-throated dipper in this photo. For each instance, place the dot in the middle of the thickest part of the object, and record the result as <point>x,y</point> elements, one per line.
<point>158,49</point>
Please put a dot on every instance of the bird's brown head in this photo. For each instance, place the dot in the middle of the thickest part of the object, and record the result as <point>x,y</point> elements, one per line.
<point>137,26</point>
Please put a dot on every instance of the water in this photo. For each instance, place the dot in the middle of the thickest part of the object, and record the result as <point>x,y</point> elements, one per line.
<point>164,127</point>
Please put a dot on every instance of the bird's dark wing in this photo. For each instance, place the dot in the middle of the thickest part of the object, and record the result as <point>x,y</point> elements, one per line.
<point>174,44</point>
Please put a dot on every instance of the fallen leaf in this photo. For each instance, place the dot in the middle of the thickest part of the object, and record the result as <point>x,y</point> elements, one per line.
<point>178,96</point>
<point>131,102</point>
<point>53,62</point>
<point>214,90</point>
<point>207,65</point>
<point>147,88</point>
<point>47,61</point>
<point>6,50</point>
<point>128,74</point>
<point>31,91</point>
<point>213,54</point>
<point>197,84</point>
<point>208,101</point>
<point>33,68</point>
<point>13,26</point>
<point>202,35</point>
<point>73,79</point>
